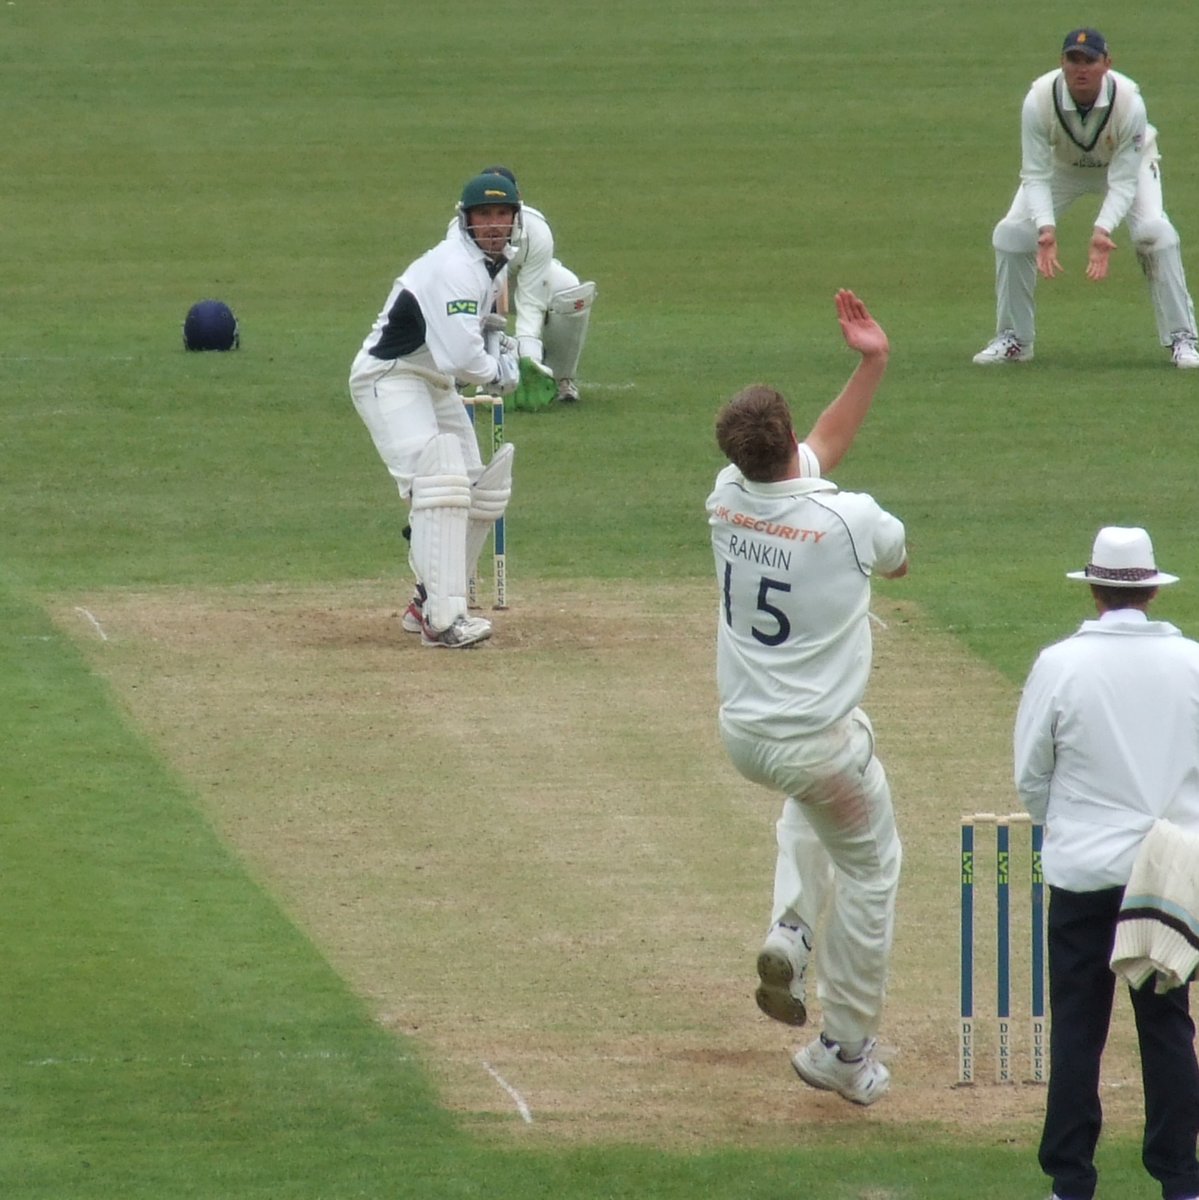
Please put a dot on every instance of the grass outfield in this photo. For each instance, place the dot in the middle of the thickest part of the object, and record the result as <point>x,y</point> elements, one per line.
<point>169,1027</point>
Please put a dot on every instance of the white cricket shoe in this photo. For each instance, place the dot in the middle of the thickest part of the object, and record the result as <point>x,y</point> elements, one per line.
<point>1184,350</point>
<point>782,964</point>
<point>464,633</point>
<point>413,619</point>
<point>1004,347</point>
<point>568,391</point>
<point>862,1080</point>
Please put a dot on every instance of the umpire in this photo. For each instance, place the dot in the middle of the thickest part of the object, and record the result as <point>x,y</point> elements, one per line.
<point>1106,743</point>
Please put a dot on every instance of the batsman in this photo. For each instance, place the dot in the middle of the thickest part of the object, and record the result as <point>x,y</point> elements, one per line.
<point>437,331</point>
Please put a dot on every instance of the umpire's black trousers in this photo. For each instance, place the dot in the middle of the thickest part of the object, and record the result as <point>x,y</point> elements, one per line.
<point>1082,930</point>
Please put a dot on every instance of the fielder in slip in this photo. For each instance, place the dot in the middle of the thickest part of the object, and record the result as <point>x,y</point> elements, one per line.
<point>1084,131</point>
<point>794,558</point>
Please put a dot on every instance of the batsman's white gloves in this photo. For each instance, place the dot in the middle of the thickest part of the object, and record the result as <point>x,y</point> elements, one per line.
<point>495,340</point>
<point>531,347</point>
<point>508,376</point>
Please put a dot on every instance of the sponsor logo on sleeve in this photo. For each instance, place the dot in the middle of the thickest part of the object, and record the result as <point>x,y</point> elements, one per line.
<point>462,308</point>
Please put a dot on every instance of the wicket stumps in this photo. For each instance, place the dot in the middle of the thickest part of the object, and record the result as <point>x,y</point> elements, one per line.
<point>1003,948</point>
<point>499,534</point>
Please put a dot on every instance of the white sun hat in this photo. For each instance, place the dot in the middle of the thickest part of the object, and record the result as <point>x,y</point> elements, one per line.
<point>1122,557</point>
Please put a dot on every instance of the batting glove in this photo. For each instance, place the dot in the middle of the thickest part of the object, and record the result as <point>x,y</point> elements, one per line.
<point>508,376</point>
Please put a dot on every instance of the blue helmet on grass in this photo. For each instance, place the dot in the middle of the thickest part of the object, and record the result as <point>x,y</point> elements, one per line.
<point>210,325</point>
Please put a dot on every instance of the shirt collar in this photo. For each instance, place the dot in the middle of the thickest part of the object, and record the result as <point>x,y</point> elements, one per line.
<point>1103,100</point>
<point>476,251</point>
<point>1124,616</point>
<point>788,487</point>
<point>1128,622</point>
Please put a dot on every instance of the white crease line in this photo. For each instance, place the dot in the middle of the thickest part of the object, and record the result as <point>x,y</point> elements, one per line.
<point>517,1098</point>
<point>191,1060</point>
<point>877,620</point>
<point>607,387</point>
<point>83,612</point>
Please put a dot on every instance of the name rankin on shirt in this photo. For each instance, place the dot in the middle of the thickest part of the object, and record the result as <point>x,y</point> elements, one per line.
<point>757,552</point>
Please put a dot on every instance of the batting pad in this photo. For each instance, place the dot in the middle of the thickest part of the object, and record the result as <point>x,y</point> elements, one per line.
<point>441,502</point>
<point>488,501</point>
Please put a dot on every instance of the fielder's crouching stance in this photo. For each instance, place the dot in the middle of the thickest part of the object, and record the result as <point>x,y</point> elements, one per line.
<point>552,306</point>
<point>436,331</point>
<point>794,557</point>
<point>1084,131</point>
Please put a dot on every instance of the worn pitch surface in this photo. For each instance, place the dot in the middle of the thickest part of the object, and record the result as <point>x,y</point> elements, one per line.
<point>534,861</point>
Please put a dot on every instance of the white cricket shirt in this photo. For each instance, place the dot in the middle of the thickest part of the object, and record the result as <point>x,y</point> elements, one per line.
<point>455,290</point>
<point>529,272</point>
<point>793,565</point>
<point>1106,742</point>
<point>529,269</point>
<point>1106,146</point>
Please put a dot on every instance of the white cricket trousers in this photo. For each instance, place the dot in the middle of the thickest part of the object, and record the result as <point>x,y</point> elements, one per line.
<point>404,408</point>
<point>838,858</point>
<point>1154,240</point>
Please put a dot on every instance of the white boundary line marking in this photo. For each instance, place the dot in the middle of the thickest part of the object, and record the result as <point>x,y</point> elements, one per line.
<point>83,612</point>
<point>517,1098</point>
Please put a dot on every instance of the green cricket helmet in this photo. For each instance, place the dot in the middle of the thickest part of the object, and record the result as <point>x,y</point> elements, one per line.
<point>490,188</point>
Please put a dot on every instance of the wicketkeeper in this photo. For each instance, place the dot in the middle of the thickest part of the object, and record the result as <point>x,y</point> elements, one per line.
<point>552,311</point>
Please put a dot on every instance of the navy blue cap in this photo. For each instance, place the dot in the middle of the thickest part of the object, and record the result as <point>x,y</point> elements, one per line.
<point>1090,41</point>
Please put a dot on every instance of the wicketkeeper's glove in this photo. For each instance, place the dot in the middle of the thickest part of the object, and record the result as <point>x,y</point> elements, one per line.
<point>536,389</point>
